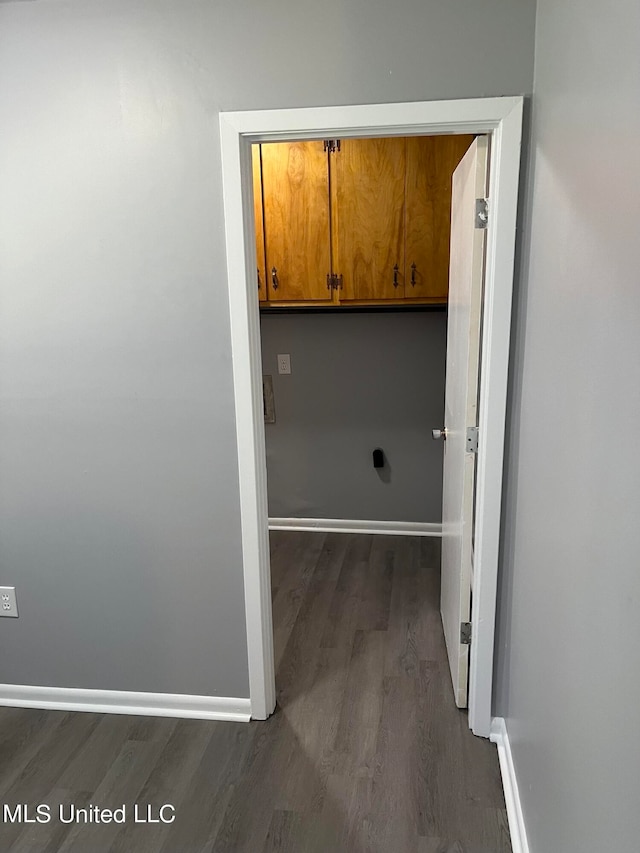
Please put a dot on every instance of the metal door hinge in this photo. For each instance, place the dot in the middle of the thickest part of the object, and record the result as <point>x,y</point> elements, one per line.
<point>334,282</point>
<point>472,440</point>
<point>482,212</point>
<point>332,145</point>
<point>465,633</point>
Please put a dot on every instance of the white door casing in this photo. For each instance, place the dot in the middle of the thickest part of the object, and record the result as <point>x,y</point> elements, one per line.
<point>502,118</point>
<point>461,407</point>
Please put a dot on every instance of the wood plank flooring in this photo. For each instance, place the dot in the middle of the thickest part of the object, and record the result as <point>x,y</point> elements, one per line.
<point>366,752</point>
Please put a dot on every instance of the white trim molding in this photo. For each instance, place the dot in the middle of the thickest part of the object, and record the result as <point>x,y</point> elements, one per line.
<point>502,119</point>
<point>504,174</point>
<point>345,525</point>
<point>126,702</point>
<point>500,737</point>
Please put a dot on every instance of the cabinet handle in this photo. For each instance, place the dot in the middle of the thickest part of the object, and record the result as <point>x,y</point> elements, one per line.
<point>413,275</point>
<point>259,285</point>
<point>274,278</point>
<point>395,275</point>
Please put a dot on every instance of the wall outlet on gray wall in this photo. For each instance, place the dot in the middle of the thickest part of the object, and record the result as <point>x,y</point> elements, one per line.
<point>284,363</point>
<point>8,602</point>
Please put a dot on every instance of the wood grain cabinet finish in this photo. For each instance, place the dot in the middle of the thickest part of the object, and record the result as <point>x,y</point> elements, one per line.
<point>431,162</point>
<point>368,229</point>
<point>295,182</point>
<point>375,214</point>
<point>256,161</point>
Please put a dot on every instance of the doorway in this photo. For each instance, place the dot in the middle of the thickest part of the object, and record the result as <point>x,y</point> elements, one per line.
<point>502,119</point>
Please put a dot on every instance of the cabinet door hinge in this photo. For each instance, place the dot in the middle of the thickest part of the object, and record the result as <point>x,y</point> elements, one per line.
<point>465,633</point>
<point>472,440</point>
<point>334,282</point>
<point>332,145</point>
<point>482,212</point>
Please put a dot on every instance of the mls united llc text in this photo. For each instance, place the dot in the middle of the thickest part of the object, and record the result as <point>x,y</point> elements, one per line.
<point>69,813</point>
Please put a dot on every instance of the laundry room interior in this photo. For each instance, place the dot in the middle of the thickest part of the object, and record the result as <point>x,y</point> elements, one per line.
<point>352,247</point>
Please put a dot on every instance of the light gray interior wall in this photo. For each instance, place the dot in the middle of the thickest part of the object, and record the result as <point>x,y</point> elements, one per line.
<point>569,663</point>
<point>119,508</point>
<point>358,381</point>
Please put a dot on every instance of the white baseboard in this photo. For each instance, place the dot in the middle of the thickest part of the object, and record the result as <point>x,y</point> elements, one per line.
<point>342,525</point>
<point>126,702</point>
<point>500,737</point>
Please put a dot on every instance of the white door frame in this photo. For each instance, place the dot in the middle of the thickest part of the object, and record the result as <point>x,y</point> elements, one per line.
<point>502,119</point>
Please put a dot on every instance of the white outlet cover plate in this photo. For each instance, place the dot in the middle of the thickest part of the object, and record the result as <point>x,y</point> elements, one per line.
<point>284,363</point>
<point>8,602</point>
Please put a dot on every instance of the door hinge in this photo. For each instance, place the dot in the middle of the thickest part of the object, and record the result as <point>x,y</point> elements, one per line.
<point>334,282</point>
<point>482,212</point>
<point>472,440</point>
<point>332,145</point>
<point>465,633</point>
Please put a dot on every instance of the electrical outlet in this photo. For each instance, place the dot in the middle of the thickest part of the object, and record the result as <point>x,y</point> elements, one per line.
<point>8,603</point>
<point>284,363</point>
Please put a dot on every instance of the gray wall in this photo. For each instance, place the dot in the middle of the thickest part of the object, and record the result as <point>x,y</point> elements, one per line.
<point>118,481</point>
<point>358,381</point>
<point>569,660</point>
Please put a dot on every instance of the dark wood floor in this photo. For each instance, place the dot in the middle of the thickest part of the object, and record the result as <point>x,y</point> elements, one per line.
<point>365,754</point>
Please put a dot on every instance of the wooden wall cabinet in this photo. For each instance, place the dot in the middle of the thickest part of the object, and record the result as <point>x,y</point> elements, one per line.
<point>368,188</point>
<point>431,162</point>
<point>366,223</point>
<point>258,216</point>
<point>297,236</point>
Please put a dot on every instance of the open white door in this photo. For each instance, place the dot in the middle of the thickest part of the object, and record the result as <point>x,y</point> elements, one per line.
<point>461,404</point>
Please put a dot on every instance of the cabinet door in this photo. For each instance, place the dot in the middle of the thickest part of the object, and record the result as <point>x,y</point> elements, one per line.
<point>259,222</point>
<point>431,162</point>
<point>368,177</point>
<point>295,180</point>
